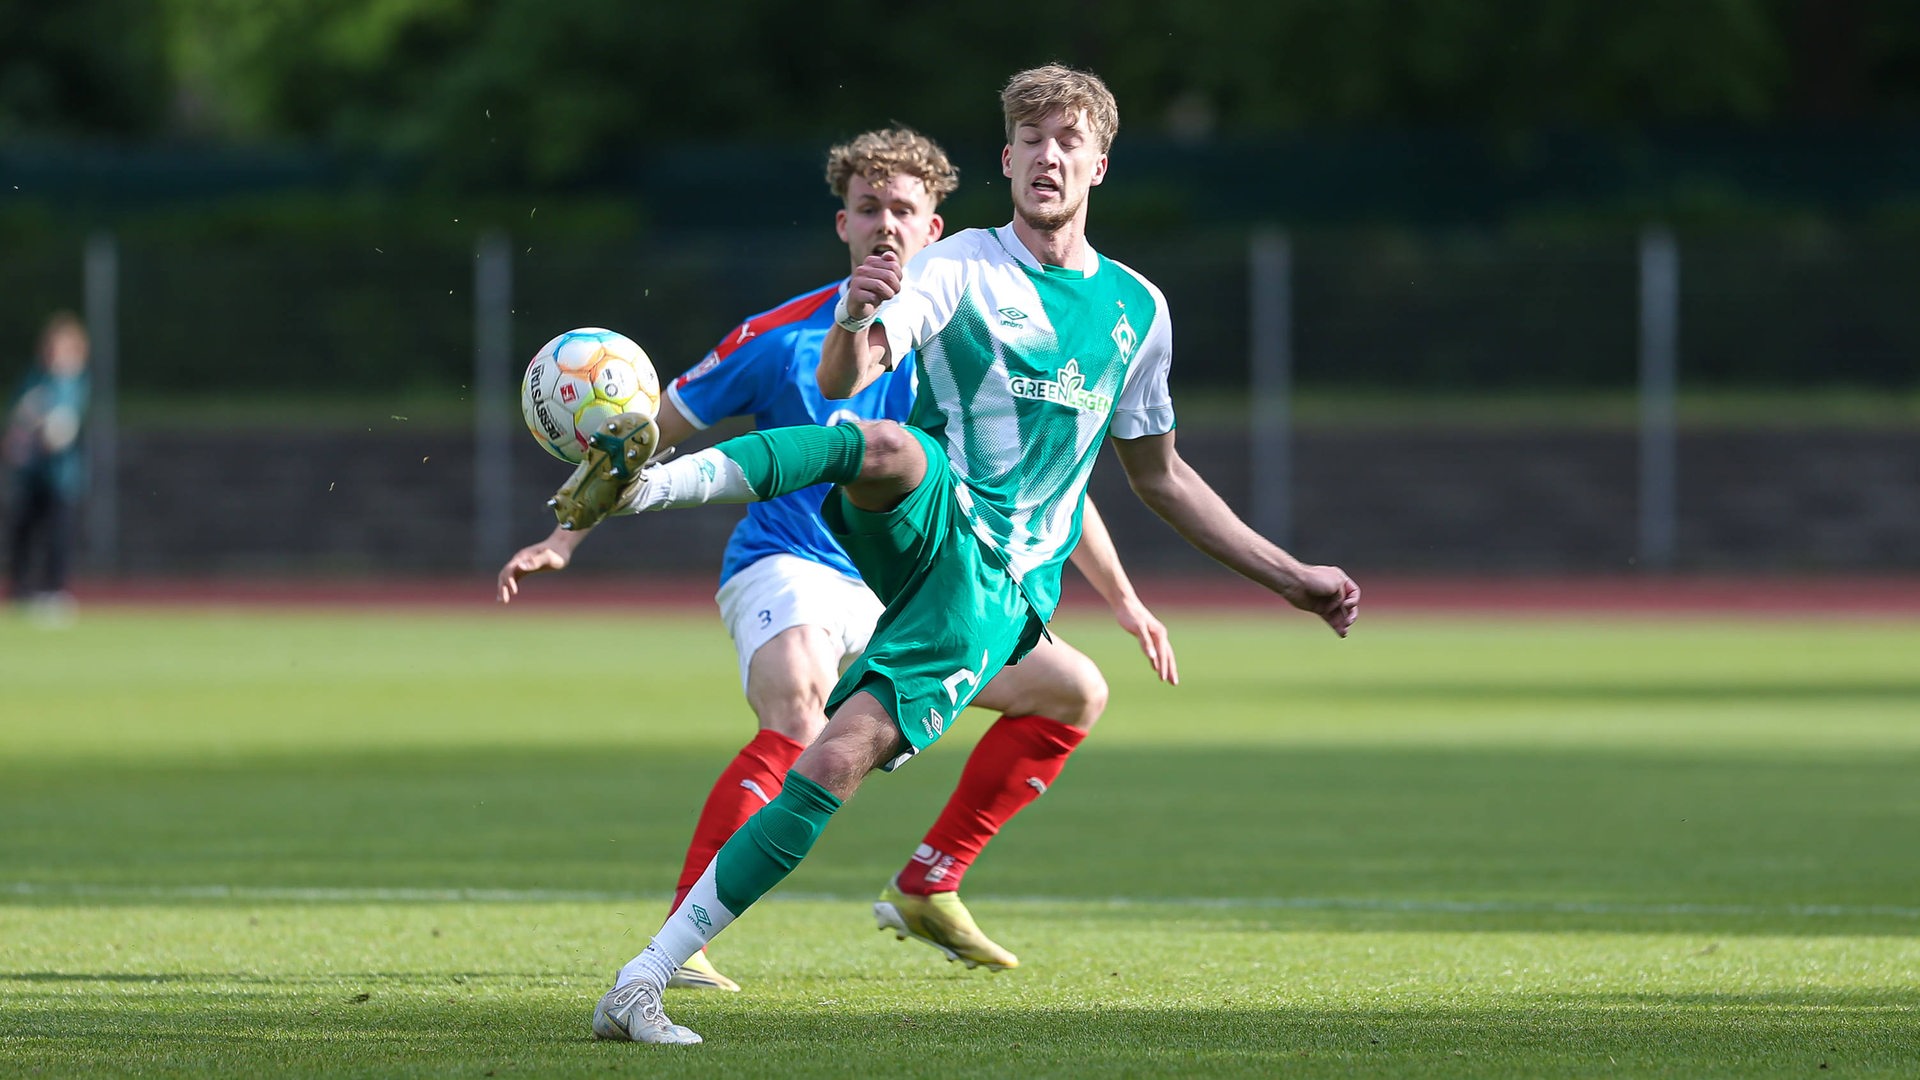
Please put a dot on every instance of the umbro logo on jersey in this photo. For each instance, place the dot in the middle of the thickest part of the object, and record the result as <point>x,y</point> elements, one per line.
<point>1068,387</point>
<point>1014,317</point>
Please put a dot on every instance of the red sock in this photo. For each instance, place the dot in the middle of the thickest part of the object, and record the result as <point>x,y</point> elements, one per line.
<point>749,782</point>
<point>1016,760</point>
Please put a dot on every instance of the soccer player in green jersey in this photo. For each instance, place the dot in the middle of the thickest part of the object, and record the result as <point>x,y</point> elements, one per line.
<point>1031,349</point>
<point>797,610</point>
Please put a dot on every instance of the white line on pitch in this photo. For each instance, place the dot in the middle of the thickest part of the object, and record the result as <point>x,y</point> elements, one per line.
<point>378,895</point>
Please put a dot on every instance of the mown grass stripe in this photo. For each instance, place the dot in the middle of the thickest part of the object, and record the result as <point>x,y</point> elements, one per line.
<point>428,895</point>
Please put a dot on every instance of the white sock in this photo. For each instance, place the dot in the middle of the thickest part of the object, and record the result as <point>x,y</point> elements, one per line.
<point>706,477</point>
<point>698,919</point>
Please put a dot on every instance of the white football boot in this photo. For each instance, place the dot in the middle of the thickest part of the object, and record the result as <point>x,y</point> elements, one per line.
<point>631,1012</point>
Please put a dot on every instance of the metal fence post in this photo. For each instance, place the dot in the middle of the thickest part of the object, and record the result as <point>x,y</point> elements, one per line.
<point>1270,469</point>
<point>1659,366</point>
<point>101,275</point>
<point>492,397</point>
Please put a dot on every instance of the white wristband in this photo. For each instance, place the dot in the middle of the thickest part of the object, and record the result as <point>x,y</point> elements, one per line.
<point>844,322</point>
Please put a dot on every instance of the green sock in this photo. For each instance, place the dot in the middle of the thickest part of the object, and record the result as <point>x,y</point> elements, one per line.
<point>772,842</point>
<point>779,460</point>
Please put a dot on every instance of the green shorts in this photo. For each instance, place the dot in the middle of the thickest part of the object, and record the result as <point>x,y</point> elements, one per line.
<point>954,615</point>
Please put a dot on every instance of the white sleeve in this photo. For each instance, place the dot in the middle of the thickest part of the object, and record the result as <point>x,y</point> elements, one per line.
<point>935,281</point>
<point>1146,405</point>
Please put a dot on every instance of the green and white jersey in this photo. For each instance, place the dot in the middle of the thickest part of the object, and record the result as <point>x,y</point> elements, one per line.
<point>1023,369</point>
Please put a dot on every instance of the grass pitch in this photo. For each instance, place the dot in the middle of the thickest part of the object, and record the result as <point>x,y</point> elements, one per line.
<point>243,844</point>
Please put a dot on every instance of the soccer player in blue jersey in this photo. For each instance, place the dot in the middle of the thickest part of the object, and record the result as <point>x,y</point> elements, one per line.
<point>1032,349</point>
<point>798,611</point>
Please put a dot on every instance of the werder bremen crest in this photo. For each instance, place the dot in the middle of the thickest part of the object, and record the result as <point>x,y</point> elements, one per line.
<point>1124,337</point>
<point>1068,387</point>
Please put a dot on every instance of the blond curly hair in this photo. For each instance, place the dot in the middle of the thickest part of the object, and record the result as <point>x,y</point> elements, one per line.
<point>881,155</point>
<point>1037,93</point>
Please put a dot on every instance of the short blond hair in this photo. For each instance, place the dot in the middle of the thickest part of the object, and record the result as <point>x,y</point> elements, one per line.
<point>883,154</point>
<point>1037,93</point>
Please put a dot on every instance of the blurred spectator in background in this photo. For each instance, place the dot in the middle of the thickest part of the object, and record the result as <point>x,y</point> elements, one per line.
<point>43,454</point>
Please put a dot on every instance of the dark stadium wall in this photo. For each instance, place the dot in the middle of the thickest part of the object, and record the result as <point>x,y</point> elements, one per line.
<point>1387,501</point>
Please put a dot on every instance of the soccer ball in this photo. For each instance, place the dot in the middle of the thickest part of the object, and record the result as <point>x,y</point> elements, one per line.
<point>580,379</point>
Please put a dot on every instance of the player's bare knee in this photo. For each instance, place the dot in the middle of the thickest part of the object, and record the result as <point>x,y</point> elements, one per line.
<point>795,720</point>
<point>835,764</point>
<point>892,465</point>
<point>1083,695</point>
<point>794,707</point>
<point>788,680</point>
<point>797,716</point>
<point>859,738</point>
<point>890,453</point>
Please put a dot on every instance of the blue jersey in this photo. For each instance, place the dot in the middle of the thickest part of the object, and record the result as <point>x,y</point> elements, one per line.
<point>765,368</point>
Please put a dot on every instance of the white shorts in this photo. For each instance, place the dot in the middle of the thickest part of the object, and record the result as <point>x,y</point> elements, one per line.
<point>780,592</point>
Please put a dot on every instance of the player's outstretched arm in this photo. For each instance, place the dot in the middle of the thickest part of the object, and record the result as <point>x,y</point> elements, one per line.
<point>1099,562</point>
<point>1170,487</point>
<point>855,351</point>
<point>553,553</point>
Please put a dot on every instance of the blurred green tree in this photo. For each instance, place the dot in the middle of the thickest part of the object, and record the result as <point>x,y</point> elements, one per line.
<point>89,67</point>
<point>485,92</point>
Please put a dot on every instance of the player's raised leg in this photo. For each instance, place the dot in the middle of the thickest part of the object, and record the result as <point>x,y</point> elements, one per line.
<point>1049,701</point>
<point>876,462</point>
